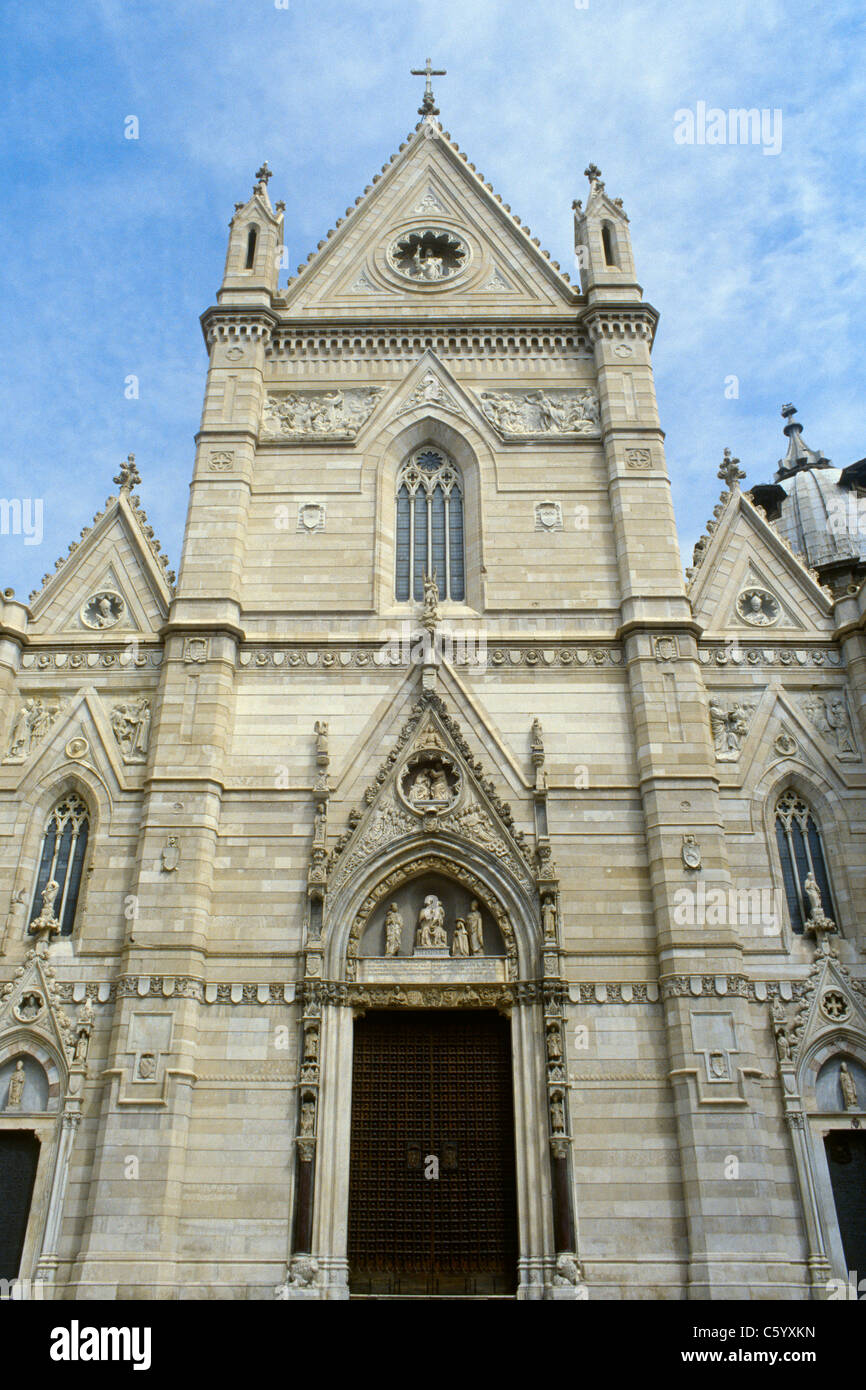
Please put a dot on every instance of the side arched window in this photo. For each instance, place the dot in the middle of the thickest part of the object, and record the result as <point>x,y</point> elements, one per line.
<point>802,854</point>
<point>252,238</point>
<point>429,527</point>
<point>63,849</point>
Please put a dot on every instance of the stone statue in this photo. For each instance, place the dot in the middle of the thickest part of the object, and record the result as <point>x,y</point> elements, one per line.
<point>818,920</point>
<point>460,944</point>
<point>439,788</point>
<point>308,1119</point>
<point>557,1114</point>
<point>311,1043</point>
<point>430,615</point>
<point>554,1043</point>
<point>46,921</point>
<point>321,731</point>
<point>393,931</point>
<point>475,927</point>
<point>420,789</point>
<point>548,918</point>
<point>301,1274</point>
<point>431,924</point>
<point>848,1087</point>
<point>16,1087</point>
<point>83,1030</point>
<point>783,1046</point>
<point>568,1271</point>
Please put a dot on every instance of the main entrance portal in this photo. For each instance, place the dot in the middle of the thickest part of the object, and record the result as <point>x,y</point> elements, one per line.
<point>432,1195</point>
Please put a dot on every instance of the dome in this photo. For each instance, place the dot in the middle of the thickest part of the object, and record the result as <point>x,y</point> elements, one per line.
<point>819,517</point>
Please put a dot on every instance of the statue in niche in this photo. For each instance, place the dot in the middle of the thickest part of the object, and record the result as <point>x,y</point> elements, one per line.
<point>431,924</point>
<point>311,1043</point>
<point>475,927</point>
<point>848,1088</point>
<point>321,731</point>
<point>554,1043</point>
<point>557,1114</point>
<point>548,918</point>
<point>393,931</point>
<point>83,1030</point>
<point>460,944</point>
<point>16,1087</point>
<point>308,1119</point>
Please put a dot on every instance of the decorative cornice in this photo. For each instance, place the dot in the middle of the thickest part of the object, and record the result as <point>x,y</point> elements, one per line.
<point>490,340</point>
<point>224,323</point>
<point>638,320</point>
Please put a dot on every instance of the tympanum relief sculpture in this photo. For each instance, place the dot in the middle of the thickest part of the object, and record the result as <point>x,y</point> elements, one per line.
<point>430,782</point>
<point>431,934</point>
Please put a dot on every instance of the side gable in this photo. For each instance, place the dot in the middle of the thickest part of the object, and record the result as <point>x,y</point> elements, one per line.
<point>748,583</point>
<point>113,582</point>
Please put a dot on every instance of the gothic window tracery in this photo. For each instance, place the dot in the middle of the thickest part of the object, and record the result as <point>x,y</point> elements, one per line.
<point>801,853</point>
<point>430,526</point>
<point>64,846</point>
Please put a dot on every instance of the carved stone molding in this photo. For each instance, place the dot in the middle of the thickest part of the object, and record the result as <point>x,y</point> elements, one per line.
<point>371,996</point>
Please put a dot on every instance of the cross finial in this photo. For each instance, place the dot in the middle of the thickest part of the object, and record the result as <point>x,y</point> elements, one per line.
<point>263,174</point>
<point>730,471</point>
<point>129,476</point>
<point>593,173</point>
<point>428,106</point>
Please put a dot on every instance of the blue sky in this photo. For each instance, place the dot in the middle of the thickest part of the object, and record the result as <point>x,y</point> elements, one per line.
<point>113,247</point>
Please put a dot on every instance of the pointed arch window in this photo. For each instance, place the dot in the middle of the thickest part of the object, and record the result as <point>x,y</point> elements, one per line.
<point>430,526</point>
<point>252,238</point>
<point>801,853</point>
<point>64,846</point>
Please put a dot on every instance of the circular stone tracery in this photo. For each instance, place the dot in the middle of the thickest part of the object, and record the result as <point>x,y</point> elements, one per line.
<point>428,255</point>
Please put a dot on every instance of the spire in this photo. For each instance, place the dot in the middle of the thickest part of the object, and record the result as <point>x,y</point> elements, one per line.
<point>799,455</point>
<point>428,105</point>
<point>129,476</point>
<point>730,472</point>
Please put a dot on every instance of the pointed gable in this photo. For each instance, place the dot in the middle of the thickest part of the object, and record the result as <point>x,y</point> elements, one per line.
<point>428,227</point>
<point>747,582</point>
<point>114,581</point>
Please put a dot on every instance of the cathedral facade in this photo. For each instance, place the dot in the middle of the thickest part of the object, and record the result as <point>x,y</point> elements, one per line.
<point>432,892</point>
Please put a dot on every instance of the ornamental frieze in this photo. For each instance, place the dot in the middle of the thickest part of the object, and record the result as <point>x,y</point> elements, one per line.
<point>552,411</point>
<point>401,655</point>
<point>730,654</point>
<point>117,658</point>
<point>334,414</point>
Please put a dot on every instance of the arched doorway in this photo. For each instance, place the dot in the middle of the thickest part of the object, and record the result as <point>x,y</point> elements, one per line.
<point>375,1022</point>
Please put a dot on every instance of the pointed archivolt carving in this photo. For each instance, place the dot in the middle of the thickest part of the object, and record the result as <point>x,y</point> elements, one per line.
<point>829,999</point>
<point>429,782</point>
<point>431,863</point>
